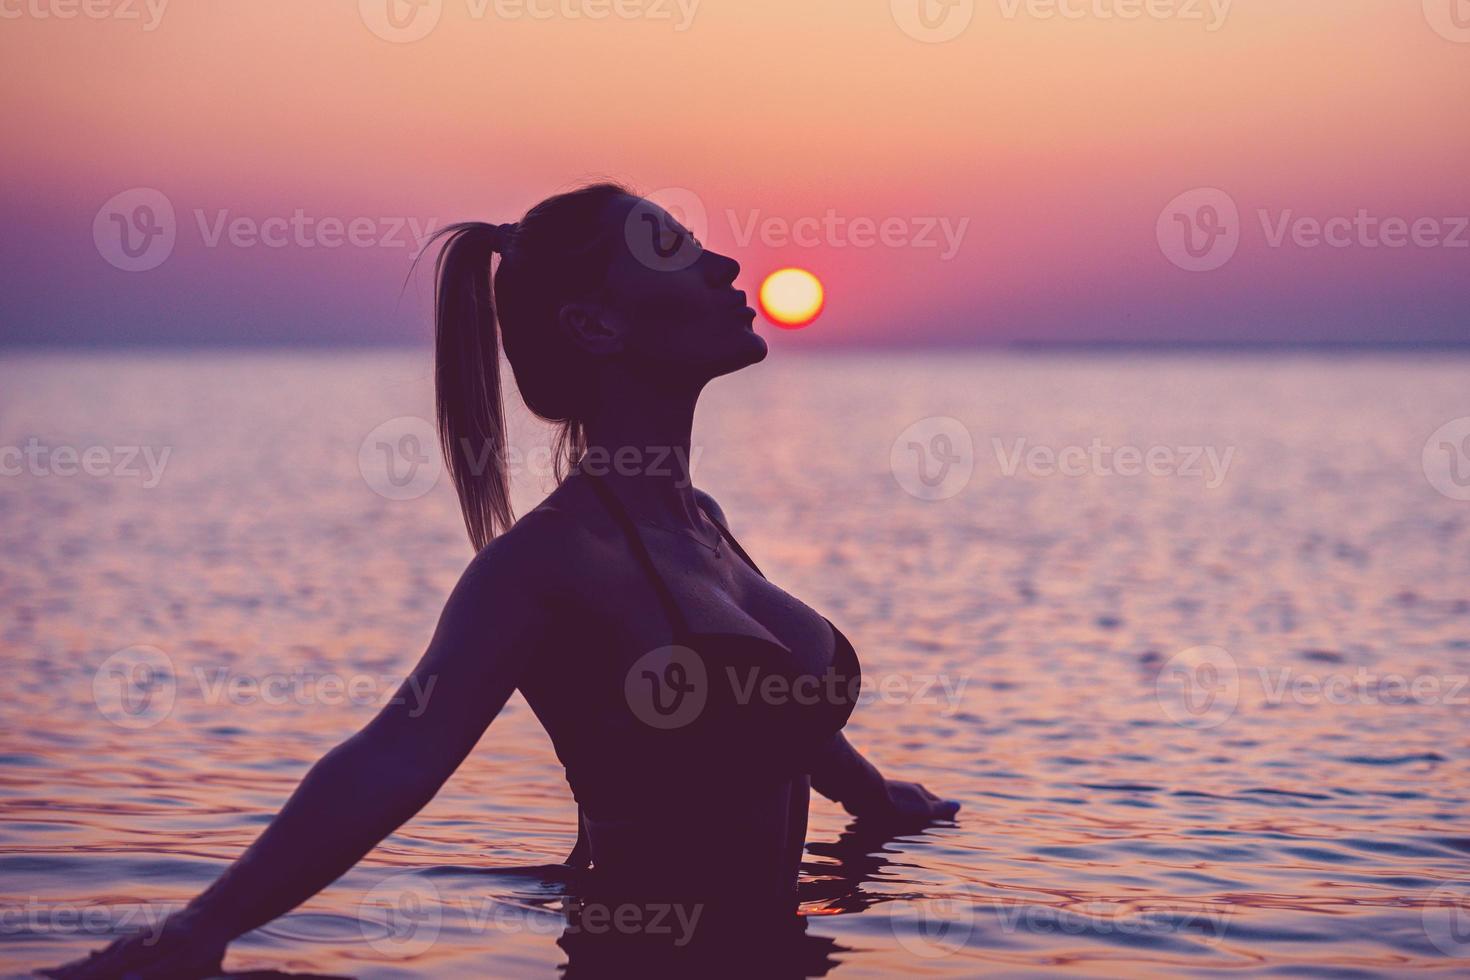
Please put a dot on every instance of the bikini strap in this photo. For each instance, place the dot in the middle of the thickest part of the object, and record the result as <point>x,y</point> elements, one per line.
<point>640,551</point>
<point>725,533</point>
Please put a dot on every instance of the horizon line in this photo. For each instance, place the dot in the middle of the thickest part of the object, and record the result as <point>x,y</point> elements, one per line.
<point>1017,346</point>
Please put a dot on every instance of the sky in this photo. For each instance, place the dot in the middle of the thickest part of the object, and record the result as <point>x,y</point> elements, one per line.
<point>957,172</point>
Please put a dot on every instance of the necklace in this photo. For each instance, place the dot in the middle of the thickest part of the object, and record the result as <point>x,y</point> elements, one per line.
<point>719,538</point>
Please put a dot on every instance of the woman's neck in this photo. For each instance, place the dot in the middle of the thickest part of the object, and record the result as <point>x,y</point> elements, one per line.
<point>640,443</point>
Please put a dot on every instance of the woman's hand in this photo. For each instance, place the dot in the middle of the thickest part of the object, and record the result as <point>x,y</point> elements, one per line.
<point>187,948</point>
<point>841,774</point>
<point>906,803</point>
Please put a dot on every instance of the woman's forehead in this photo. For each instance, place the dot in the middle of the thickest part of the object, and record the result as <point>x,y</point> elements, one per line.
<point>622,208</point>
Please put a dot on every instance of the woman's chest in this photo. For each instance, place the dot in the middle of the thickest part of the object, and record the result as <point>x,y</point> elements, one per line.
<point>712,595</point>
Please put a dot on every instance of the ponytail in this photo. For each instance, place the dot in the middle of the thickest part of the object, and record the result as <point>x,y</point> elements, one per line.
<point>560,250</point>
<point>467,391</point>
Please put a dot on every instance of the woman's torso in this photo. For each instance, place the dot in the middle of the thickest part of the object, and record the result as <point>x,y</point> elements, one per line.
<point>672,804</point>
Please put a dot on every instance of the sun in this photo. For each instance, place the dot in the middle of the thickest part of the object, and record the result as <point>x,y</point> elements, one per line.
<point>792,298</point>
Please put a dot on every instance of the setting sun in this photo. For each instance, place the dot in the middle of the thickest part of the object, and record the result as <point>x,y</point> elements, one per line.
<point>791,298</point>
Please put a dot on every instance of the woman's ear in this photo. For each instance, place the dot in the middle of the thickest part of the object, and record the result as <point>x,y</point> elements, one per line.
<point>594,328</point>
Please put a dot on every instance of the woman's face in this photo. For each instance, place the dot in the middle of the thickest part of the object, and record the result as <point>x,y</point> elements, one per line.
<point>676,301</point>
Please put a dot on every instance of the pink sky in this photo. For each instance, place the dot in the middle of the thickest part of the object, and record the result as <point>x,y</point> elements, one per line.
<point>1035,151</point>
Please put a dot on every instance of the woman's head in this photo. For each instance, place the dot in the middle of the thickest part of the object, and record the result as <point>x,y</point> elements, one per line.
<point>591,284</point>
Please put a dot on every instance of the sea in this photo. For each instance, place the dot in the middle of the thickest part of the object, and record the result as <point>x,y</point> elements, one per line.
<point>1187,634</point>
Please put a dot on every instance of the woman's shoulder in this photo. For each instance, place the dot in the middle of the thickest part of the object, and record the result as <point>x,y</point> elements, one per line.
<point>711,505</point>
<point>566,542</point>
<point>551,545</point>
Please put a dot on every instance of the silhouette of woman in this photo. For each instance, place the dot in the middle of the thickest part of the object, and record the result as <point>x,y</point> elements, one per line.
<point>693,703</point>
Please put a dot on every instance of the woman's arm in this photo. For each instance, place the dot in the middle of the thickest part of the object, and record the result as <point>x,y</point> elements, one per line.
<point>365,788</point>
<point>843,776</point>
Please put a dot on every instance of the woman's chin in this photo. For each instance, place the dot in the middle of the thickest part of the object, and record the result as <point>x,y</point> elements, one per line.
<point>759,347</point>
<point>753,350</point>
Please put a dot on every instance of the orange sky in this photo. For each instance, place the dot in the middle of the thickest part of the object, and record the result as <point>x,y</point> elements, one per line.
<point>1055,140</point>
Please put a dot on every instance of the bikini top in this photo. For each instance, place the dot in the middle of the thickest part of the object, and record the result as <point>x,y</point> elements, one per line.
<point>708,713</point>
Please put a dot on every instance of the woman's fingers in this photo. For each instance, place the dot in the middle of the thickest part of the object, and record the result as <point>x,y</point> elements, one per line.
<point>938,806</point>
<point>946,808</point>
<point>142,957</point>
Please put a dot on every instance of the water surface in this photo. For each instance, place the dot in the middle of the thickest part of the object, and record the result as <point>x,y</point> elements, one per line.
<point>1167,702</point>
